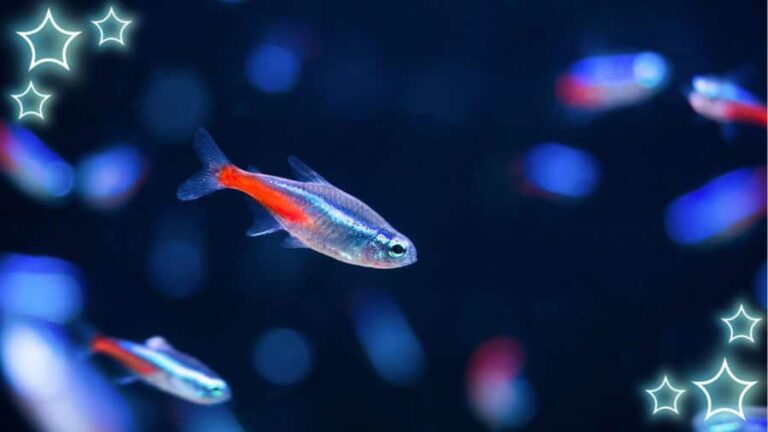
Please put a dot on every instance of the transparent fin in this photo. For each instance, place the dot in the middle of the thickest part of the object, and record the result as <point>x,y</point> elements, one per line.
<point>158,343</point>
<point>206,180</point>
<point>304,173</point>
<point>263,222</point>
<point>293,243</point>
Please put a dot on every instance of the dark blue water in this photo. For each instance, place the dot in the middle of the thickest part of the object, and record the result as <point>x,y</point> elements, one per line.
<point>424,110</point>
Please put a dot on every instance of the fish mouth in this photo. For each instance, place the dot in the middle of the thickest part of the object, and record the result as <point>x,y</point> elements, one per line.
<point>408,261</point>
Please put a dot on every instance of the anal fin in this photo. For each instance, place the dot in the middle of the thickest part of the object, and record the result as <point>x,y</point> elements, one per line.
<point>263,222</point>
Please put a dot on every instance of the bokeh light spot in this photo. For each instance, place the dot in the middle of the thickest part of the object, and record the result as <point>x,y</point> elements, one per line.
<point>282,356</point>
<point>498,394</point>
<point>176,267</point>
<point>109,178</point>
<point>174,104</point>
<point>561,170</point>
<point>273,68</point>
<point>42,287</point>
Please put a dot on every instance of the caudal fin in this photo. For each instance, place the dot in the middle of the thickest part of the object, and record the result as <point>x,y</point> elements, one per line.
<point>206,180</point>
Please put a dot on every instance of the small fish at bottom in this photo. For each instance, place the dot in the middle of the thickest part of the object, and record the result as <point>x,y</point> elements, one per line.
<point>158,364</point>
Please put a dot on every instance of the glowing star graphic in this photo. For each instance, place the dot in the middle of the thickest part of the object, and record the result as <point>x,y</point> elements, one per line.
<point>742,324</point>
<point>27,99</point>
<point>111,21</point>
<point>677,393</point>
<point>745,386</point>
<point>35,34</point>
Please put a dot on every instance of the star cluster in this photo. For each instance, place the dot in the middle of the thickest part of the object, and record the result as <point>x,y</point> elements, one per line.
<point>49,45</point>
<point>665,396</point>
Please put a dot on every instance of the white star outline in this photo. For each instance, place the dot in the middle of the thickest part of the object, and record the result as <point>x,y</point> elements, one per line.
<point>656,407</point>
<point>37,62</point>
<point>737,412</point>
<point>39,112</point>
<point>113,15</point>
<point>738,313</point>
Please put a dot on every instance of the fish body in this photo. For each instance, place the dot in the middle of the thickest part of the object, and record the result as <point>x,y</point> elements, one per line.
<point>315,213</point>
<point>160,365</point>
<point>723,101</point>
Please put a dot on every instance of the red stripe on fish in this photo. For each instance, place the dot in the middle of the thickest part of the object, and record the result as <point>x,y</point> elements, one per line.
<point>111,348</point>
<point>275,201</point>
<point>754,114</point>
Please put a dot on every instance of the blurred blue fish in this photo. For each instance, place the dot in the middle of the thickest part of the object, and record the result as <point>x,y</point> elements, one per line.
<point>157,363</point>
<point>32,166</point>
<point>723,101</point>
<point>612,81</point>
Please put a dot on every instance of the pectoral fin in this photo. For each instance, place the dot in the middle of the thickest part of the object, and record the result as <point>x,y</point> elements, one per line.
<point>293,243</point>
<point>125,380</point>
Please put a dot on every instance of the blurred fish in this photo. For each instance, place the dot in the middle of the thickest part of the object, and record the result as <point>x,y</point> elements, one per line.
<point>317,215</point>
<point>32,166</point>
<point>720,210</point>
<point>612,81</point>
<point>157,363</point>
<point>723,101</point>
<point>51,386</point>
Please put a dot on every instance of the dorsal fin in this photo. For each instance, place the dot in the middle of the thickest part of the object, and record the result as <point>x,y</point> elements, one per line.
<point>158,343</point>
<point>304,173</point>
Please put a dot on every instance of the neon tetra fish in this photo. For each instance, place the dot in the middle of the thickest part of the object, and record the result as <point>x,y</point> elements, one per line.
<point>315,213</point>
<point>606,82</point>
<point>723,101</point>
<point>157,363</point>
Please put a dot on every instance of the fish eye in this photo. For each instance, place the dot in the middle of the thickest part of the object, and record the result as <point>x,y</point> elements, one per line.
<point>396,249</point>
<point>216,390</point>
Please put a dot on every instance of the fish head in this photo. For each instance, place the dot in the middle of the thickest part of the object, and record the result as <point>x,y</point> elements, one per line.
<point>707,87</point>
<point>206,390</point>
<point>215,390</point>
<point>389,249</point>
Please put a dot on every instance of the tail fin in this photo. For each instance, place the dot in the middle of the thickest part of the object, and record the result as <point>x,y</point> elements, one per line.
<point>206,180</point>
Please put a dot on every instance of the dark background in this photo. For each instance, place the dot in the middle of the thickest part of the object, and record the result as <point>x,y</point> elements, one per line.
<point>600,298</point>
